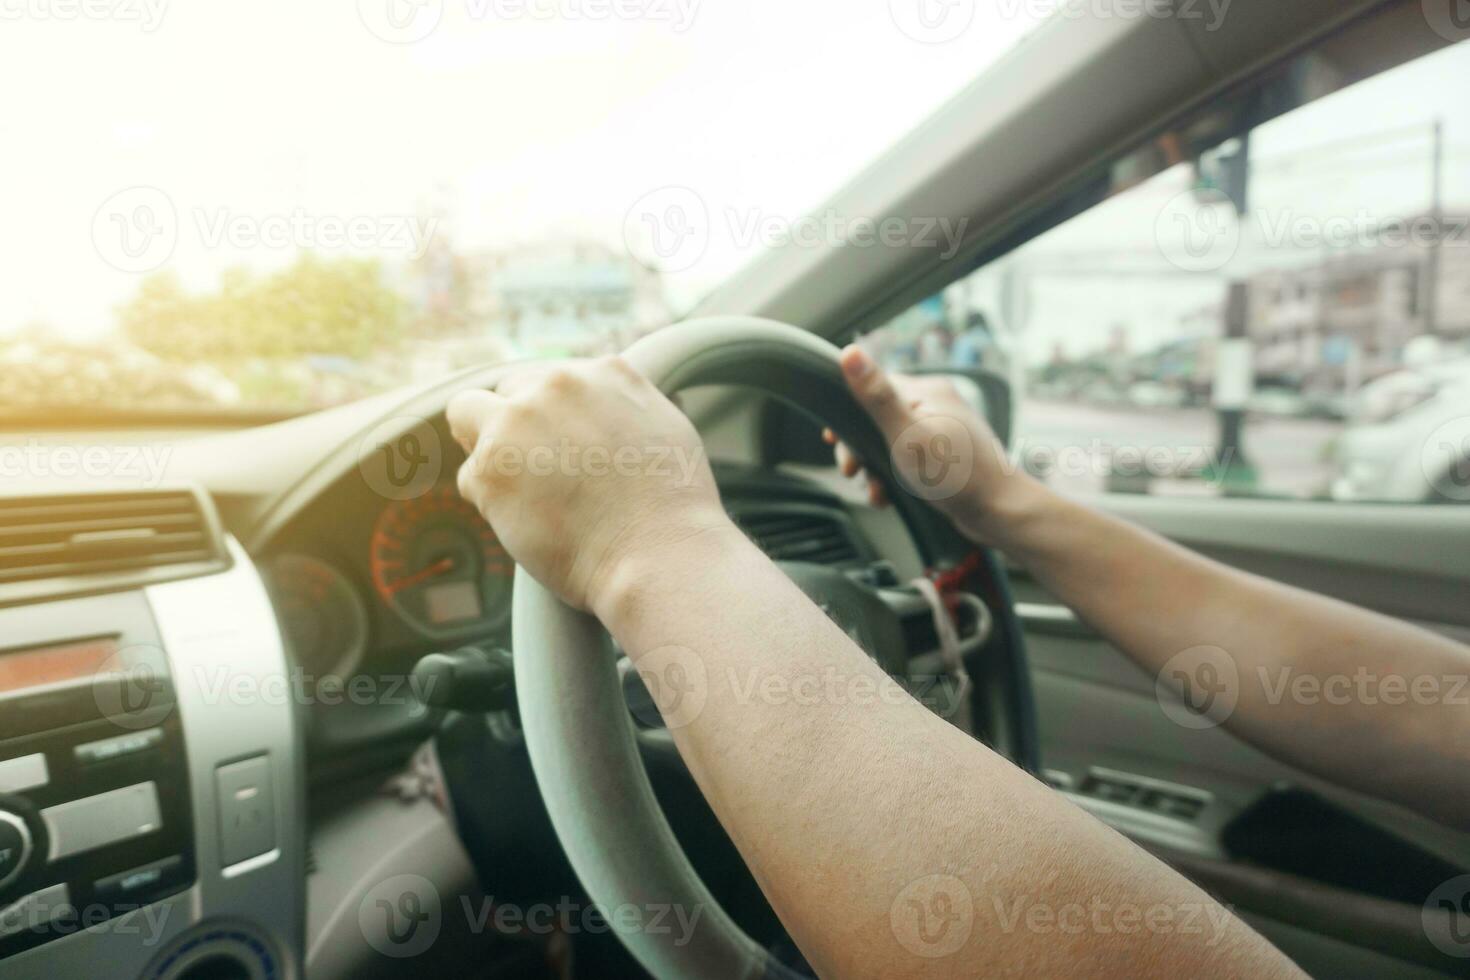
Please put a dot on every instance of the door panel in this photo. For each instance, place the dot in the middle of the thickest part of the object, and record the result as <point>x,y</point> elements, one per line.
<point>1107,743</point>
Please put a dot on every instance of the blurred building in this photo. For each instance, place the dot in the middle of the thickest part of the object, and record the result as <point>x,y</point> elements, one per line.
<point>1332,325</point>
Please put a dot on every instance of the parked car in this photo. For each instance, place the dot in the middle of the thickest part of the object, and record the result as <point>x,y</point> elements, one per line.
<point>1401,442</point>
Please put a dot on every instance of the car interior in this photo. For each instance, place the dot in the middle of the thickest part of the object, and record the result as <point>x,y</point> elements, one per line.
<point>291,710</point>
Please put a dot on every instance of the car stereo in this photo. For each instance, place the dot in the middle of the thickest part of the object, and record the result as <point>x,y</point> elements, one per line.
<point>95,816</point>
<point>151,820</point>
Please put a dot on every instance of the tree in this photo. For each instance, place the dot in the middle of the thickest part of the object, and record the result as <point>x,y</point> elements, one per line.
<point>316,306</point>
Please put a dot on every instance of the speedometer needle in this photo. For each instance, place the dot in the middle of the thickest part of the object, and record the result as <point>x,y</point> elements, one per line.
<point>443,565</point>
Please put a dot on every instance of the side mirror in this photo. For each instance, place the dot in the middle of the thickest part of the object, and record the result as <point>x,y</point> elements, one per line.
<point>790,436</point>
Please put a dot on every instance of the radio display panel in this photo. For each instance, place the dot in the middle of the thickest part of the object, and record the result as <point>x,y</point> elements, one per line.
<point>61,663</point>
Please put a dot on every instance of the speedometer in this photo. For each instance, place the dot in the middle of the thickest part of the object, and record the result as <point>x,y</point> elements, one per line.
<point>323,618</point>
<point>440,567</point>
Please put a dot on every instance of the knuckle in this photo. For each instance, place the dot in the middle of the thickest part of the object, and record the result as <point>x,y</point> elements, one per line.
<point>564,380</point>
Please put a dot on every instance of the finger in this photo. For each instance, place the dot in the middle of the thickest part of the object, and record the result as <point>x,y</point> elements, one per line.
<point>467,414</point>
<point>872,387</point>
<point>877,494</point>
<point>847,462</point>
<point>829,437</point>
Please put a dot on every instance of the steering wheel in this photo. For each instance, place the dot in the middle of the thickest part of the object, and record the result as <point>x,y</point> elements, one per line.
<point>577,724</point>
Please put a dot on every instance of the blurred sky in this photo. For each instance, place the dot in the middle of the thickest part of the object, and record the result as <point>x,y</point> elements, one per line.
<point>522,129</point>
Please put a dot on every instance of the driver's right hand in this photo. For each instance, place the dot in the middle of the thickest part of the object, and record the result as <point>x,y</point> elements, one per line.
<point>919,417</point>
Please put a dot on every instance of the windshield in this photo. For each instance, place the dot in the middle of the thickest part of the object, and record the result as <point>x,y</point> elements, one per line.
<point>277,206</point>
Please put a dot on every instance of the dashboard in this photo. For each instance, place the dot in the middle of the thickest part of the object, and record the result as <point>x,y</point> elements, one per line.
<point>394,576</point>
<point>268,553</point>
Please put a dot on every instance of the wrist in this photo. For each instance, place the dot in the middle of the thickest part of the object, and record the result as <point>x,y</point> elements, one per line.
<point>1012,516</point>
<point>645,566</point>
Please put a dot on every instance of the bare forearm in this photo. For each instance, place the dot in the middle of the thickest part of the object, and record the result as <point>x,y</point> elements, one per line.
<point>1359,698</point>
<point>845,794</point>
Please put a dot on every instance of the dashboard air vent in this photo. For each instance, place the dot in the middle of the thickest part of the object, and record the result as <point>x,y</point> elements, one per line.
<point>800,534</point>
<point>102,535</point>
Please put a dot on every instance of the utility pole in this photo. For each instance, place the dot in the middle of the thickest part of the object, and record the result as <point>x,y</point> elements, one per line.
<point>1436,215</point>
<point>1235,360</point>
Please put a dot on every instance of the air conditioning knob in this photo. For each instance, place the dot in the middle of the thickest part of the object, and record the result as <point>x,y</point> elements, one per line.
<point>16,847</point>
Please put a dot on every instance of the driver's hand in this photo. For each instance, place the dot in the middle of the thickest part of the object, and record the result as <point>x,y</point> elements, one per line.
<point>580,464</point>
<point>941,447</point>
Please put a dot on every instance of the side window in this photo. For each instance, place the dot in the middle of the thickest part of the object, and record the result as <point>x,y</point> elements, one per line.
<point>1288,316</point>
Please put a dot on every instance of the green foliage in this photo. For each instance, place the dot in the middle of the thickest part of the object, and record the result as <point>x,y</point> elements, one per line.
<point>316,306</point>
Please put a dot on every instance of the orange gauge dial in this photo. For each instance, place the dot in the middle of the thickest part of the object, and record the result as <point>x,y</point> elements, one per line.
<point>438,565</point>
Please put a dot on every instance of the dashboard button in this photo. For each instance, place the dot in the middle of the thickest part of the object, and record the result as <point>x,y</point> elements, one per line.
<point>15,846</point>
<point>36,911</point>
<point>111,748</point>
<point>27,772</point>
<point>247,810</point>
<point>95,821</point>
<point>139,881</point>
